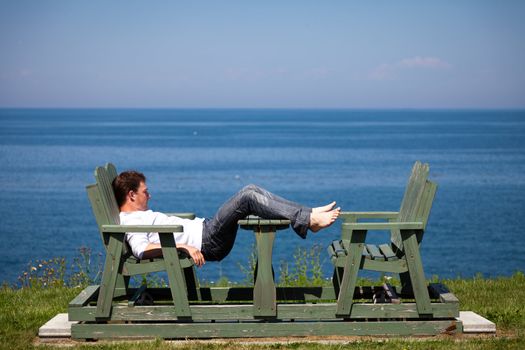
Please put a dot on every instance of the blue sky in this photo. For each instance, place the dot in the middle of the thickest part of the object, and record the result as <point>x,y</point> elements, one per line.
<point>262,54</point>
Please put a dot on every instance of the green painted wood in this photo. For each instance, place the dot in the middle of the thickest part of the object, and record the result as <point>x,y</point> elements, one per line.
<point>84,296</point>
<point>254,222</point>
<point>405,225</point>
<point>142,228</point>
<point>261,329</point>
<point>244,312</point>
<point>388,252</point>
<point>175,275</point>
<point>121,284</point>
<point>354,247</point>
<point>264,292</point>
<point>428,198</point>
<point>338,248</point>
<point>353,216</point>
<point>398,266</point>
<point>109,275</point>
<point>415,269</point>
<point>411,200</point>
<point>108,197</point>
<point>374,252</point>
<point>190,216</point>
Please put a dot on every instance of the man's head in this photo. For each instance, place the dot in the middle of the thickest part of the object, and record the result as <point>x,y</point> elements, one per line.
<point>131,191</point>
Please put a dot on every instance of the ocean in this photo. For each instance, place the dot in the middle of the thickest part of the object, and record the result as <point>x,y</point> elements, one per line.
<point>195,159</point>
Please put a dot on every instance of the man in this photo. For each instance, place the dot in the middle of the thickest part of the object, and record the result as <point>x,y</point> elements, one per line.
<point>209,239</point>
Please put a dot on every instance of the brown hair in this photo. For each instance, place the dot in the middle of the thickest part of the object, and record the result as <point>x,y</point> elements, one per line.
<point>126,181</point>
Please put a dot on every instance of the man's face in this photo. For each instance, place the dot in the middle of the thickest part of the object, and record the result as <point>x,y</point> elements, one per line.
<point>141,197</point>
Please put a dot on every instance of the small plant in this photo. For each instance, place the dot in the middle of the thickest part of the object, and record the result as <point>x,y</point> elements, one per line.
<point>85,270</point>
<point>306,268</point>
<point>44,273</point>
<point>249,269</point>
<point>54,272</point>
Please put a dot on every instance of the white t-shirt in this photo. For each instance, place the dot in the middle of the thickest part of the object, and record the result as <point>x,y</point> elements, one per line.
<point>138,241</point>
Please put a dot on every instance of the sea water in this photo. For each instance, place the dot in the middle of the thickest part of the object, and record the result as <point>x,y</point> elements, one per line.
<point>196,159</point>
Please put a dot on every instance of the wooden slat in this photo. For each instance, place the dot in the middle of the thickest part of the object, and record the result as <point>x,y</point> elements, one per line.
<point>338,248</point>
<point>262,329</point>
<point>374,252</point>
<point>409,225</point>
<point>354,247</point>
<point>264,293</point>
<point>85,296</point>
<point>356,215</point>
<point>190,216</point>
<point>142,228</point>
<point>319,311</point>
<point>387,252</point>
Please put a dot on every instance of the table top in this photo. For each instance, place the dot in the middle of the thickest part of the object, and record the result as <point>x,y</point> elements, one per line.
<point>252,222</point>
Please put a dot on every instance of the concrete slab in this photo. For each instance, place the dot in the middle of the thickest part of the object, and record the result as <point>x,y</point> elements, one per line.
<point>57,327</point>
<point>474,323</point>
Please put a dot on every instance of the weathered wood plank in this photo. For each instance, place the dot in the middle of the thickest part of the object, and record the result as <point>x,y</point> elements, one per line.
<point>408,225</point>
<point>354,247</point>
<point>319,311</point>
<point>374,252</point>
<point>175,275</point>
<point>261,329</point>
<point>84,297</point>
<point>109,276</point>
<point>388,252</point>
<point>356,215</point>
<point>415,269</point>
<point>264,293</point>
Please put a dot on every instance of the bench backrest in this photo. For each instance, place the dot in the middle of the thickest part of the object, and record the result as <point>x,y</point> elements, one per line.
<point>102,198</point>
<point>417,201</point>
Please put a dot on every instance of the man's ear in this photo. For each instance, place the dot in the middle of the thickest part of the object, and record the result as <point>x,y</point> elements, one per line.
<point>131,195</point>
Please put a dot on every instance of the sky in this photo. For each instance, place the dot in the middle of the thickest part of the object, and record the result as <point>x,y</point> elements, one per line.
<point>262,54</point>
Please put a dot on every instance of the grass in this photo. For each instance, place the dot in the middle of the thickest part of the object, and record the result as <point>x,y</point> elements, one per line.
<point>24,310</point>
<point>47,286</point>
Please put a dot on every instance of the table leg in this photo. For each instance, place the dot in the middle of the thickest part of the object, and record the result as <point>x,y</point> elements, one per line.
<point>264,293</point>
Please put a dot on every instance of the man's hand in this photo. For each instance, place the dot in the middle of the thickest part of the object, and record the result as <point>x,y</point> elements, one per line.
<point>153,250</point>
<point>195,254</point>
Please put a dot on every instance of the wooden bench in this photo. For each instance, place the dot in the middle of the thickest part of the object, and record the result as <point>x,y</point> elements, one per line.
<point>400,255</point>
<point>120,264</point>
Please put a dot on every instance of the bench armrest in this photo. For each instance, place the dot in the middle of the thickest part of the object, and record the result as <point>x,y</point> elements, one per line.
<point>190,216</point>
<point>142,228</point>
<point>384,225</point>
<point>346,215</point>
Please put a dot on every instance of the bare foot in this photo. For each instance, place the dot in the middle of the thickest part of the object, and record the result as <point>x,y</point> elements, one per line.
<point>320,220</point>
<point>324,208</point>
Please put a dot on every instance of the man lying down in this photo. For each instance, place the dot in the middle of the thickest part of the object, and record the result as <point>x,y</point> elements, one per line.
<point>210,239</point>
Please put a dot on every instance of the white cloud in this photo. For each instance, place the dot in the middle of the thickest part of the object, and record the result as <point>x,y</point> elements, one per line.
<point>389,71</point>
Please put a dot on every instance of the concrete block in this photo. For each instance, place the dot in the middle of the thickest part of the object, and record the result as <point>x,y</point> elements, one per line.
<point>474,323</point>
<point>57,327</point>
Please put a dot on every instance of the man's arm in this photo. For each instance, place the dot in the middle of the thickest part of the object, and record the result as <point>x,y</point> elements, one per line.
<point>153,250</point>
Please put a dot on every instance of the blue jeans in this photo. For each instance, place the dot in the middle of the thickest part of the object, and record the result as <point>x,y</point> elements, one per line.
<point>219,233</point>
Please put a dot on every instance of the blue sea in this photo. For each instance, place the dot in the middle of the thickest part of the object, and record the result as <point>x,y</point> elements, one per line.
<point>195,159</point>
